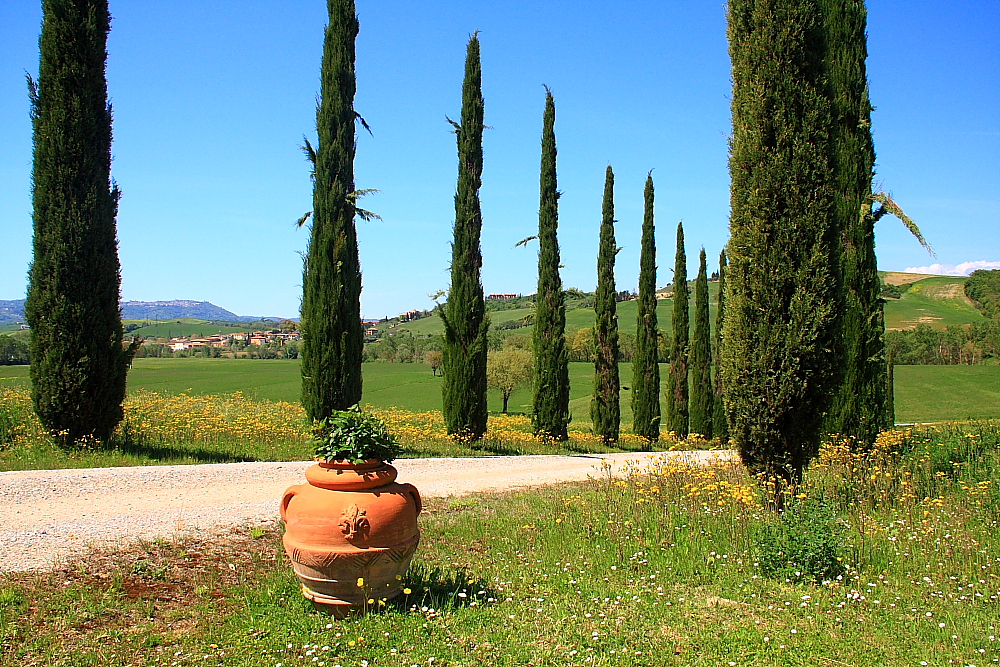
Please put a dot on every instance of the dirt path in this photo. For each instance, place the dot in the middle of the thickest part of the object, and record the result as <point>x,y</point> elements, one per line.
<point>47,516</point>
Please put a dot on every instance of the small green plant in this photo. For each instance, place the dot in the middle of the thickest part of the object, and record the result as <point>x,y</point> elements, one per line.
<point>10,597</point>
<point>803,545</point>
<point>146,569</point>
<point>355,436</point>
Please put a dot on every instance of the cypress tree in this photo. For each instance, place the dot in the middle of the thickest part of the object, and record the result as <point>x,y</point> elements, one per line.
<point>332,337</point>
<point>551,397</point>
<point>702,397</point>
<point>78,362</point>
<point>859,407</point>
<point>782,338</point>
<point>464,315</point>
<point>605,409</point>
<point>677,382</point>
<point>890,392</point>
<point>645,369</point>
<point>720,427</point>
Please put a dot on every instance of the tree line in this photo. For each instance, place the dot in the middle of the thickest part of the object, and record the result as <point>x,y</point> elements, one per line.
<point>799,344</point>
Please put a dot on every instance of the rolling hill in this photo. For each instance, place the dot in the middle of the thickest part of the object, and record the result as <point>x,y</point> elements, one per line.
<point>939,301</point>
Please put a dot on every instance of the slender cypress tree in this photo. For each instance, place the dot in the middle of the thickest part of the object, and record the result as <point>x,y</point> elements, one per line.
<point>720,427</point>
<point>332,337</point>
<point>782,339</point>
<point>605,409</point>
<point>465,320</point>
<point>859,406</point>
<point>78,363</point>
<point>551,399</point>
<point>890,392</point>
<point>677,382</point>
<point>702,396</point>
<point>645,369</point>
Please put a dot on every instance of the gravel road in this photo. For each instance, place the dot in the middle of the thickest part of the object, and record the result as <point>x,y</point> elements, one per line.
<point>48,516</point>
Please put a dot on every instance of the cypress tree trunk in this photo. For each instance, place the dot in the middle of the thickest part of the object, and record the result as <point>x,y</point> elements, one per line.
<point>702,396</point>
<point>677,383</point>
<point>782,338</point>
<point>465,321</point>
<point>645,369</point>
<point>551,398</point>
<point>720,427</point>
<point>890,393</point>
<point>78,363</point>
<point>332,337</point>
<point>859,407</point>
<point>605,409</point>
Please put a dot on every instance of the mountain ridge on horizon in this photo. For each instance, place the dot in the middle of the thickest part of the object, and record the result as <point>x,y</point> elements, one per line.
<point>12,311</point>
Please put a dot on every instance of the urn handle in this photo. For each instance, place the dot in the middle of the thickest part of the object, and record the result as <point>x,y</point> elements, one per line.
<point>413,493</point>
<point>290,493</point>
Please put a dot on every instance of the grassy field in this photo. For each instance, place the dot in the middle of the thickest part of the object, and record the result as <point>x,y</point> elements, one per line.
<point>576,318</point>
<point>939,301</point>
<point>936,300</point>
<point>672,566</point>
<point>923,393</point>
<point>183,428</point>
<point>937,393</point>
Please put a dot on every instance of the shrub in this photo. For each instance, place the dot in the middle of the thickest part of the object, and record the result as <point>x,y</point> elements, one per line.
<point>355,436</point>
<point>803,545</point>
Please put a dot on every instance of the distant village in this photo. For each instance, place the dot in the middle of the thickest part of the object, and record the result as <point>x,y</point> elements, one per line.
<point>273,336</point>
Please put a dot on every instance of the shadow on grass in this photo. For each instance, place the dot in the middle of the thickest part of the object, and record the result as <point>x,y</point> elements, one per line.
<point>129,444</point>
<point>436,588</point>
<point>492,446</point>
<point>166,453</point>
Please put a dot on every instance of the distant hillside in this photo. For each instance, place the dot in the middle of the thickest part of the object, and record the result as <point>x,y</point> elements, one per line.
<point>939,301</point>
<point>12,312</point>
<point>169,310</point>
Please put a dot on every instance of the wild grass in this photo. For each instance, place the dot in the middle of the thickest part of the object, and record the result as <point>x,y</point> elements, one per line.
<point>658,568</point>
<point>178,429</point>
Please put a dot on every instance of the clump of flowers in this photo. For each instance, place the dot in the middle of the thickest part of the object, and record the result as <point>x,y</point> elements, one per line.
<point>355,436</point>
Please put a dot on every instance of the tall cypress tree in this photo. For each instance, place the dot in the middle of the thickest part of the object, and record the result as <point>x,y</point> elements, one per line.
<point>551,398</point>
<point>702,396</point>
<point>464,315</point>
<point>782,338</point>
<point>605,409</point>
<point>332,337</point>
<point>720,427</point>
<point>859,407</point>
<point>78,363</point>
<point>677,382</point>
<point>645,369</point>
<point>890,392</point>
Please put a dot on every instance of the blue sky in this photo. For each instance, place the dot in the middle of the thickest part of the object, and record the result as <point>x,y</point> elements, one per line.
<point>212,100</point>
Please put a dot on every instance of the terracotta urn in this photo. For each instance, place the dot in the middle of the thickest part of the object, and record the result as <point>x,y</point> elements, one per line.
<point>350,533</point>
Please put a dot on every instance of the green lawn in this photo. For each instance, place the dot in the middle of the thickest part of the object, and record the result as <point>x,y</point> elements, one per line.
<point>923,393</point>
<point>937,393</point>
<point>408,386</point>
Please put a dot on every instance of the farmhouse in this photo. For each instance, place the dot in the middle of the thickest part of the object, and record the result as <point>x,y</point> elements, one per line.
<point>411,315</point>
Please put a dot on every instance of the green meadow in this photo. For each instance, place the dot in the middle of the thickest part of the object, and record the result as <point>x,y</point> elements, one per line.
<point>939,393</point>
<point>939,301</point>
<point>923,393</point>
